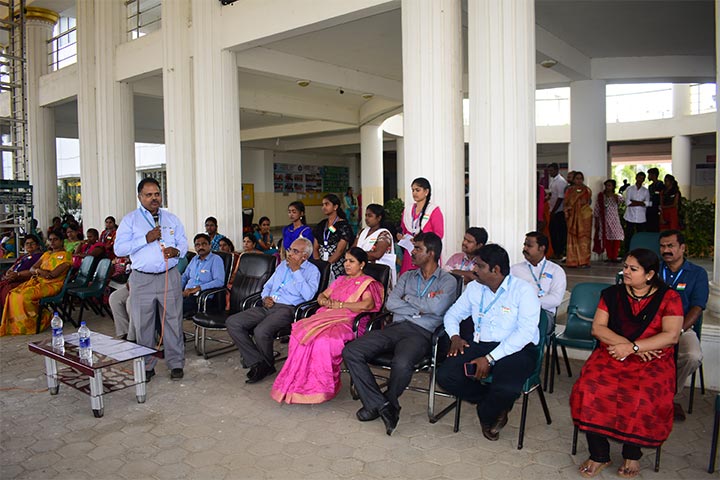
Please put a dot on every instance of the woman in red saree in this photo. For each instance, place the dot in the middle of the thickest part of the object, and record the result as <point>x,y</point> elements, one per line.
<point>578,216</point>
<point>626,387</point>
<point>311,373</point>
<point>22,305</point>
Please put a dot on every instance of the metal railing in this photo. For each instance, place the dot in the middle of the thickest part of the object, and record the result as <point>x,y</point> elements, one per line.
<point>143,17</point>
<point>62,49</point>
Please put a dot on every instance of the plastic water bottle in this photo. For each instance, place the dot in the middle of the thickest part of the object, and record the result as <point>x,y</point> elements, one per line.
<point>58,340</point>
<point>84,340</point>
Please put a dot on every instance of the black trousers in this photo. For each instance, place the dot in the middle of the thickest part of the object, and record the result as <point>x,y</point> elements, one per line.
<point>558,233</point>
<point>408,342</point>
<point>508,377</point>
<point>600,449</point>
<point>189,306</point>
<point>653,219</point>
<point>630,230</point>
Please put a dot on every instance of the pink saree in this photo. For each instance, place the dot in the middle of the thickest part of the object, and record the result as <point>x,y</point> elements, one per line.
<point>311,373</point>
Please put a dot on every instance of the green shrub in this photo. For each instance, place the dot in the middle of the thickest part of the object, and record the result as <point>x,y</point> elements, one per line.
<point>698,217</point>
<point>394,209</point>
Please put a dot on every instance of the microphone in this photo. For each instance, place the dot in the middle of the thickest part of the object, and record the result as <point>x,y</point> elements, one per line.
<point>156,218</point>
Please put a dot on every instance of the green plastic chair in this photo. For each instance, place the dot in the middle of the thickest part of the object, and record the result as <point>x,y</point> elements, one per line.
<point>649,240</point>
<point>84,274</point>
<point>697,326</point>
<point>56,304</point>
<point>716,430</point>
<point>581,310</point>
<point>91,296</point>
<point>533,383</point>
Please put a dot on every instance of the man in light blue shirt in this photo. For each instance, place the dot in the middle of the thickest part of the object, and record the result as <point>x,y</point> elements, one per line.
<point>154,239</point>
<point>295,281</point>
<point>205,271</point>
<point>505,312</point>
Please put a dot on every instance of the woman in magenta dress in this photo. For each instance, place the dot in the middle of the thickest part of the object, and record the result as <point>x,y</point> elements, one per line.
<point>423,216</point>
<point>625,390</point>
<point>311,373</point>
<point>20,270</point>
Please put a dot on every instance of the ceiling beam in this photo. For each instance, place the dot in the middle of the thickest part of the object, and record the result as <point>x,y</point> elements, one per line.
<point>571,62</point>
<point>286,105</point>
<point>321,142</point>
<point>259,22</point>
<point>296,67</point>
<point>677,69</point>
<point>290,129</point>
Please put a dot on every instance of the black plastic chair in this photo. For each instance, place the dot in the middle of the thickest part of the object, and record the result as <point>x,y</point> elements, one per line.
<point>254,270</point>
<point>532,383</point>
<point>213,300</point>
<point>428,364</point>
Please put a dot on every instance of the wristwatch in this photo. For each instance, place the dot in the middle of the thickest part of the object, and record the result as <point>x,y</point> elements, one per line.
<point>490,360</point>
<point>635,347</point>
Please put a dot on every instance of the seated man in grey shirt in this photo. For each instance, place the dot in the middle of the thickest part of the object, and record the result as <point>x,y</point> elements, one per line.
<point>418,304</point>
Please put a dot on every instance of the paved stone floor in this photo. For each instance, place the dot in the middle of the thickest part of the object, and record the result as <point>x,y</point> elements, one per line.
<point>213,425</point>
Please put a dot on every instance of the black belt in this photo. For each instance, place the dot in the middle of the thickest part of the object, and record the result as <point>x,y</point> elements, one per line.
<point>152,273</point>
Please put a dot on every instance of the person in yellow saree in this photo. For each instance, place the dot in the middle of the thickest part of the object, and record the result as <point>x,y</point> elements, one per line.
<point>311,373</point>
<point>22,304</point>
<point>578,216</point>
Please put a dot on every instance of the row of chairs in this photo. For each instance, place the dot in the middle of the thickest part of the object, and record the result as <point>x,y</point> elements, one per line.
<point>87,286</point>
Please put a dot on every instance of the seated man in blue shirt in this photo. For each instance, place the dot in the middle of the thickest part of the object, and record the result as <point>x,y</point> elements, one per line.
<point>505,311</point>
<point>691,282</point>
<point>295,281</point>
<point>417,303</point>
<point>205,271</point>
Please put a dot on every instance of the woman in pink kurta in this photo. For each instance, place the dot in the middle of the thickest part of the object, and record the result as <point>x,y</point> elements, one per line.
<point>423,216</point>
<point>311,373</point>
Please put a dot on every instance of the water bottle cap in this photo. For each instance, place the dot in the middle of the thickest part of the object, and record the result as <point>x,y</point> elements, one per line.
<point>82,324</point>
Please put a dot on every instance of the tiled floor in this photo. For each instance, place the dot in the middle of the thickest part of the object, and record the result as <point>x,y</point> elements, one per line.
<point>213,425</point>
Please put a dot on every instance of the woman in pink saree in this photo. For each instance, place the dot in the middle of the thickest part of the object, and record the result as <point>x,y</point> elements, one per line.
<point>311,373</point>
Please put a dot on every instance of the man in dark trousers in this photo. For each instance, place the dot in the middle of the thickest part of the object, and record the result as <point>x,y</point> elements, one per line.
<point>418,303</point>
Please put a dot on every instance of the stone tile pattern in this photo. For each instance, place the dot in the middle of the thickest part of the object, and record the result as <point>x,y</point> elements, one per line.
<point>212,425</point>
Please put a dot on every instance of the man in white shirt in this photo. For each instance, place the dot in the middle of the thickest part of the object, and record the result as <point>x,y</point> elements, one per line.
<point>558,227</point>
<point>637,199</point>
<point>547,278</point>
<point>505,313</point>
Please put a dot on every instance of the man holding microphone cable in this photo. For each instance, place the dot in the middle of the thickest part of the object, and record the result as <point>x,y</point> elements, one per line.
<point>154,239</point>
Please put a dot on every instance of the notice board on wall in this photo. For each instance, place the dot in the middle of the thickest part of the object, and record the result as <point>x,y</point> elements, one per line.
<point>309,180</point>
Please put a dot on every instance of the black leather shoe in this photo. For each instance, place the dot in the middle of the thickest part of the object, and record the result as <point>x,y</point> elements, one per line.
<point>489,433</point>
<point>501,421</point>
<point>261,370</point>
<point>390,417</point>
<point>176,374</point>
<point>252,372</point>
<point>365,415</point>
<point>149,374</point>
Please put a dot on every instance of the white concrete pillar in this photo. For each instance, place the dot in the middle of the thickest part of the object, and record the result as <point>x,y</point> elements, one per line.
<point>42,159</point>
<point>681,100</point>
<point>114,119</point>
<point>218,182</point>
<point>371,164</point>
<point>400,167</point>
<point>588,132</point>
<point>712,314</point>
<point>432,102</point>
<point>178,112</point>
<point>682,163</point>
<point>87,115</point>
<point>501,80</point>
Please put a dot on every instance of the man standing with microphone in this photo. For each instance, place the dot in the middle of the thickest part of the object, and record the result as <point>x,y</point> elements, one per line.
<point>154,239</point>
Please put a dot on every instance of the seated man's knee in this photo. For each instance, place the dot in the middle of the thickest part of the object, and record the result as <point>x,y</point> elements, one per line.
<point>352,352</point>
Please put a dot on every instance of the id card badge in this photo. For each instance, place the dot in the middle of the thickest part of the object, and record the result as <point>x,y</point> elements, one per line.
<point>476,337</point>
<point>325,256</point>
<point>541,293</point>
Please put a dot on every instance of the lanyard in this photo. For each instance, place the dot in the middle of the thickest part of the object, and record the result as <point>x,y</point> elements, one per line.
<point>327,232</point>
<point>150,221</point>
<point>427,287</point>
<point>677,278</point>
<point>542,270</point>
<point>416,220</point>
<point>482,301</point>
<point>282,284</point>
<point>199,270</point>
